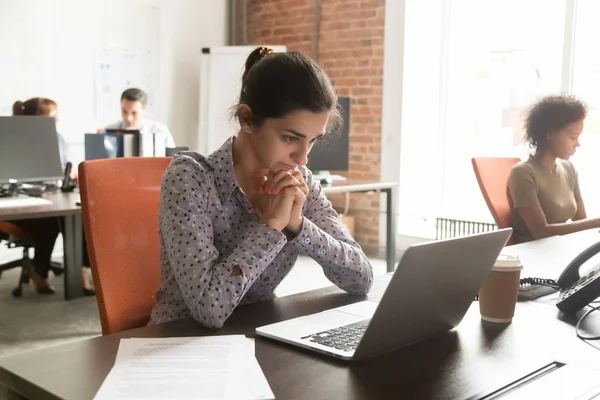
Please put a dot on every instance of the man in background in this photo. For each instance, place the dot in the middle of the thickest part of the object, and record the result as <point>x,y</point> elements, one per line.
<point>133,110</point>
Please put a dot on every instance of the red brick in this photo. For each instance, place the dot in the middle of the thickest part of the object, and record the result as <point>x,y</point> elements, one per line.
<point>350,46</point>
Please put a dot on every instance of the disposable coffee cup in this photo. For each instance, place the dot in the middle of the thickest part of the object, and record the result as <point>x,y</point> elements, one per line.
<point>498,294</point>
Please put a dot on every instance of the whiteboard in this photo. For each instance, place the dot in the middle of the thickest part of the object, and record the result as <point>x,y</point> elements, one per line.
<point>55,56</point>
<point>118,69</point>
<point>221,70</point>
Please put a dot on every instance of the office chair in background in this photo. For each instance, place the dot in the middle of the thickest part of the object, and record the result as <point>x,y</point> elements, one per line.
<point>14,237</point>
<point>119,199</point>
<point>492,176</point>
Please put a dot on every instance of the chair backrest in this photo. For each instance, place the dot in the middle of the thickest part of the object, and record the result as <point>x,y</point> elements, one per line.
<point>492,175</point>
<point>119,199</point>
<point>14,236</point>
<point>10,231</point>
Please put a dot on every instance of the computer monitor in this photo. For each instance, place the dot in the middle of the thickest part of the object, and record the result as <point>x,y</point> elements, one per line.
<point>29,149</point>
<point>332,153</point>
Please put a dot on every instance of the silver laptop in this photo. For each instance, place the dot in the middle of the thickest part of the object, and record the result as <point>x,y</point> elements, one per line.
<point>431,290</point>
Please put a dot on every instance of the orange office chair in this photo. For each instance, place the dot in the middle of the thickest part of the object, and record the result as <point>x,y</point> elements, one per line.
<point>492,175</point>
<point>119,199</point>
<point>14,237</point>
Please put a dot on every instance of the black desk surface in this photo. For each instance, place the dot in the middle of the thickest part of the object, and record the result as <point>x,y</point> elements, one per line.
<point>473,359</point>
<point>476,357</point>
<point>62,204</point>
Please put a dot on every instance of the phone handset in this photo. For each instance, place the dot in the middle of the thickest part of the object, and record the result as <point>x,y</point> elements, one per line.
<point>571,273</point>
<point>575,291</point>
<point>67,186</point>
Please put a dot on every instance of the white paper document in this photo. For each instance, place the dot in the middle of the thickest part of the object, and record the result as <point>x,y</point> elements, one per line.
<point>211,367</point>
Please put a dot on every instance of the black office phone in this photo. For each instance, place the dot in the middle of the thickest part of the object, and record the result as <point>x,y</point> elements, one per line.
<point>67,185</point>
<point>578,291</point>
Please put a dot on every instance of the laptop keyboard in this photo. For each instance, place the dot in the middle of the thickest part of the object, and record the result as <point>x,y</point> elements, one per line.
<point>345,338</point>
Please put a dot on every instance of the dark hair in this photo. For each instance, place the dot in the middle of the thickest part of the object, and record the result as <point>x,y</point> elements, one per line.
<point>549,115</point>
<point>275,84</point>
<point>135,94</point>
<point>34,106</point>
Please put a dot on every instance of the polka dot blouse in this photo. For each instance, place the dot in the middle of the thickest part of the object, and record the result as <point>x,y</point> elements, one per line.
<point>207,227</point>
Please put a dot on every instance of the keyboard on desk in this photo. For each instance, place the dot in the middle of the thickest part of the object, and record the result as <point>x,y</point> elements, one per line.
<point>23,201</point>
<point>344,337</point>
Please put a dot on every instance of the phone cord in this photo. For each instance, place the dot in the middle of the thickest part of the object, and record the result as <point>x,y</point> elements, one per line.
<point>539,281</point>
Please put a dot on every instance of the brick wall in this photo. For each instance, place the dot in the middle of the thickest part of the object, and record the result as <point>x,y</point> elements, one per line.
<point>346,38</point>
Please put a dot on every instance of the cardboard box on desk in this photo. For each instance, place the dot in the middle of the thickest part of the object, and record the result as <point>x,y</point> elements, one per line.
<point>348,221</point>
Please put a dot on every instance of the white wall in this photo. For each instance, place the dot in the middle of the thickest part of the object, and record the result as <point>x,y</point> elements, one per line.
<point>393,70</point>
<point>47,49</point>
<point>188,26</point>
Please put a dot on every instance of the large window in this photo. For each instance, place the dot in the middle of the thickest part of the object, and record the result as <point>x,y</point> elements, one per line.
<point>471,68</point>
<point>586,84</point>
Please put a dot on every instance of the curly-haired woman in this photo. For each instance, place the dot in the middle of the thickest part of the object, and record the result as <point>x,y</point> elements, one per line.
<point>544,191</point>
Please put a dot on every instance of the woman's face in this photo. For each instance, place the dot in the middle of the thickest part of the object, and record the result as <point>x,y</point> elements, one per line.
<point>565,142</point>
<point>284,143</point>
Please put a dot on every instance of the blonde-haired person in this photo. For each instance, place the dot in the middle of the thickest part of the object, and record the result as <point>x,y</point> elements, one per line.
<point>544,193</point>
<point>45,230</point>
<point>233,223</point>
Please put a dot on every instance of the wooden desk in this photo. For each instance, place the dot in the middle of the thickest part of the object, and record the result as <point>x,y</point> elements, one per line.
<point>63,205</point>
<point>385,187</point>
<point>472,360</point>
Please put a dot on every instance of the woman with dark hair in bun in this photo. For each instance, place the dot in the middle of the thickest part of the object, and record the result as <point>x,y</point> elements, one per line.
<point>233,223</point>
<point>543,191</point>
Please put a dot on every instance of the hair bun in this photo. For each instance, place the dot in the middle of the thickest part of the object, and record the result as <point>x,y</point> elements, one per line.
<point>265,51</point>
<point>18,108</point>
<point>257,54</point>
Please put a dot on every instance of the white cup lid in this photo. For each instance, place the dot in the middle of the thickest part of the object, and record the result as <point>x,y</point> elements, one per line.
<point>506,262</point>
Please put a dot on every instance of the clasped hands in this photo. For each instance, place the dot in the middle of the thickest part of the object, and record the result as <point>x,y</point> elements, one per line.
<point>282,195</point>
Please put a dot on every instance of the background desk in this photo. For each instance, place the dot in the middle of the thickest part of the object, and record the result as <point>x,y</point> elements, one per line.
<point>471,360</point>
<point>63,205</point>
<point>547,258</point>
<point>385,187</point>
